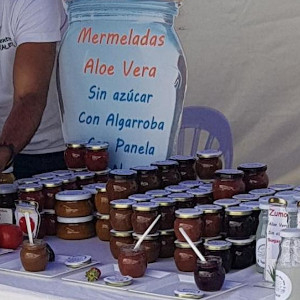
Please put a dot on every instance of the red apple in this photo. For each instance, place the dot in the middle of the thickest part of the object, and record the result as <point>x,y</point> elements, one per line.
<point>11,236</point>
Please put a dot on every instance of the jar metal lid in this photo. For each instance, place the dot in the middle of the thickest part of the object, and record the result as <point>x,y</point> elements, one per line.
<point>49,183</point>
<point>101,187</point>
<point>49,211</point>
<point>73,195</point>
<point>278,187</point>
<point>93,188</point>
<point>76,144</point>
<point>238,211</point>
<point>289,196</point>
<point>183,158</point>
<point>181,197</point>
<point>23,181</point>
<point>229,173</point>
<point>169,232</point>
<point>217,245</point>
<point>118,281</point>
<point>188,293</point>
<point>75,220</point>
<point>209,208</point>
<point>185,245</point>
<point>199,192</point>
<point>44,176</point>
<point>158,193</point>
<point>176,188</point>
<point>265,199</point>
<point>68,178</point>
<point>116,233</point>
<point>290,233</point>
<point>227,202</point>
<point>121,203</point>
<point>252,167</point>
<point>140,197</point>
<point>85,175</point>
<point>78,261</point>
<point>209,153</point>
<point>145,169</point>
<point>8,188</point>
<point>149,237</point>
<point>191,183</point>
<point>102,216</point>
<point>245,197</point>
<point>240,242</point>
<point>277,201</point>
<point>164,201</point>
<point>145,206</point>
<point>122,174</point>
<point>30,187</point>
<point>254,205</point>
<point>63,172</point>
<point>94,146</point>
<point>165,164</point>
<point>103,172</point>
<point>262,192</point>
<point>188,213</point>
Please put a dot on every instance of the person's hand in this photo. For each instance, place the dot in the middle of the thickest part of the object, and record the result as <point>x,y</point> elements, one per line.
<point>5,157</point>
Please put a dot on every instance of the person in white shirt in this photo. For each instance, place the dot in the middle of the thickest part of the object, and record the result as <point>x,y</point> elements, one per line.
<point>30,124</point>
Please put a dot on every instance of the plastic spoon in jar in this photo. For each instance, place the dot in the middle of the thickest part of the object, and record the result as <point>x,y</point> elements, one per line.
<point>139,242</point>
<point>196,250</point>
<point>29,231</point>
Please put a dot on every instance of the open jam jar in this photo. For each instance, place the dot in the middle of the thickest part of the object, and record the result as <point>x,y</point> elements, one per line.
<point>255,176</point>
<point>208,161</point>
<point>96,156</point>
<point>32,192</point>
<point>183,200</point>
<point>190,219</point>
<point>157,193</point>
<point>227,183</point>
<point>102,176</point>
<point>201,195</point>
<point>121,184</point>
<point>186,166</point>
<point>147,178</point>
<point>51,188</point>
<point>167,246</point>
<point>101,199</point>
<point>119,239</point>
<point>103,227</point>
<point>8,195</point>
<point>85,178</point>
<point>120,214</point>
<point>74,155</point>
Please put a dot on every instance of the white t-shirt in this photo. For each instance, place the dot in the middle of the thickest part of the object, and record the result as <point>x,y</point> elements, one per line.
<point>24,21</point>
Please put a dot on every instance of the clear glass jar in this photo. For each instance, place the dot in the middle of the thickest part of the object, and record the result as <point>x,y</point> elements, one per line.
<point>96,156</point>
<point>74,155</point>
<point>208,161</point>
<point>186,166</point>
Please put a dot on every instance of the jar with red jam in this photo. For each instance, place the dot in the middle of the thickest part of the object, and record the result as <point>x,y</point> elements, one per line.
<point>103,227</point>
<point>140,198</point>
<point>8,195</point>
<point>208,161</point>
<point>255,176</point>
<point>245,197</point>
<point>51,188</point>
<point>186,166</point>
<point>101,199</point>
<point>191,184</point>
<point>152,245</point>
<point>227,183</point>
<point>183,200</point>
<point>84,178</point>
<point>158,193</point>
<point>50,221</point>
<point>69,182</point>
<point>168,172</point>
<point>190,219</point>
<point>121,184</point>
<point>102,176</point>
<point>119,239</point>
<point>32,192</point>
<point>147,178</point>
<point>167,246</point>
<point>74,155</point>
<point>96,156</point>
<point>254,205</point>
<point>176,188</point>
<point>201,195</point>
<point>120,214</point>
<point>144,213</point>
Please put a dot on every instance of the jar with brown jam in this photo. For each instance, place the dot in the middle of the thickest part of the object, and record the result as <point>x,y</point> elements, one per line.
<point>183,200</point>
<point>102,176</point>
<point>166,208</point>
<point>208,161</point>
<point>147,178</point>
<point>50,221</point>
<point>176,188</point>
<point>191,184</point>
<point>168,172</point>
<point>167,246</point>
<point>101,199</point>
<point>32,192</point>
<point>255,176</point>
<point>69,182</point>
<point>103,227</point>
<point>84,178</point>
<point>185,257</point>
<point>201,195</point>
<point>140,198</point>
<point>245,197</point>
<point>186,166</point>
<point>254,205</point>
<point>120,214</point>
<point>158,193</point>
<point>74,155</point>
<point>152,245</point>
<point>8,195</point>
<point>227,183</point>
<point>119,239</point>
<point>75,228</point>
<point>73,203</point>
<point>51,188</point>
<point>96,156</point>
<point>190,219</point>
<point>144,213</point>
<point>121,184</point>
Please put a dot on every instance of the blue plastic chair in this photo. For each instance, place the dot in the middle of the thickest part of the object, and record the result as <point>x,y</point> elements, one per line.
<point>200,118</point>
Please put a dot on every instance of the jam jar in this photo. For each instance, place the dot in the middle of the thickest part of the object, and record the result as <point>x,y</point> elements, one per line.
<point>186,166</point>
<point>176,188</point>
<point>32,192</point>
<point>191,184</point>
<point>255,176</point>
<point>221,249</point>
<point>144,213</point>
<point>185,257</point>
<point>158,193</point>
<point>69,182</point>
<point>74,155</point>
<point>51,188</point>
<point>120,214</point>
<point>212,219</point>
<point>103,227</point>
<point>96,156</point>
<point>254,205</point>
<point>245,197</point>
<point>102,176</point>
<point>140,198</point>
<point>147,178</point>
<point>84,178</point>
<point>183,200</point>
<point>167,246</point>
<point>168,172</point>
<point>190,219</point>
<point>92,189</point>
<point>8,195</point>
<point>151,244</point>
<point>75,228</point>
<point>101,199</point>
<point>119,239</point>
<point>238,222</point>
<point>50,221</point>
<point>121,184</point>
<point>201,195</point>
<point>167,211</point>
<point>227,183</point>
<point>208,161</point>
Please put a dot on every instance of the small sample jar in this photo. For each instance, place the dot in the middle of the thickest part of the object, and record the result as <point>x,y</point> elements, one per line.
<point>221,249</point>
<point>167,246</point>
<point>69,182</point>
<point>144,213</point>
<point>191,184</point>
<point>121,184</point>
<point>120,214</point>
<point>255,176</point>
<point>119,239</point>
<point>73,203</point>
<point>227,183</point>
<point>32,192</point>
<point>103,227</point>
<point>254,206</point>
<point>262,192</point>
<point>74,155</point>
<point>8,195</point>
<point>183,200</point>
<point>7,176</point>
<point>168,172</point>
<point>51,188</point>
<point>101,199</point>
<point>84,178</point>
<point>102,176</point>
<point>75,228</point>
<point>158,193</point>
<point>96,156</point>
<point>147,178</point>
<point>166,208</point>
<point>201,195</point>
<point>185,257</point>
<point>186,166</point>
<point>140,198</point>
<point>50,221</point>
<point>176,188</point>
<point>208,161</point>
<point>279,187</point>
<point>190,219</point>
<point>245,197</point>
<point>151,244</point>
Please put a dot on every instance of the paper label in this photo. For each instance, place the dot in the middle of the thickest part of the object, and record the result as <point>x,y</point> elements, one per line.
<point>6,216</point>
<point>261,252</point>
<point>283,286</point>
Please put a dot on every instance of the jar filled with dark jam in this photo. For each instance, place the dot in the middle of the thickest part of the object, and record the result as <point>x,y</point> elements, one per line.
<point>158,193</point>
<point>183,200</point>
<point>254,205</point>
<point>191,184</point>
<point>201,195</point>
<point>168,172</point>
<point>96,156</point>
<point>120,214</point>
<point>227,183</point>
<point>50,221</point>
<point>74,155</point>
<point>69,182</point>
<point>208,161</point>
<point>221,249</point>
<point>8,195</point>
<point>103,227</point>
<point>255,176</point>
<point>140,198</point>
<point>102,176</point>
<point>144,213</point>
<point>245,197</point>
<point>85,178</point>
<point>176,188</point>
<point>32,192</point>
<point>167,246</point>
<point>119,239</point>
<point>121,184</point>
<point>147,178</point>
<point>51,188</point>
<point>186,166</point>
<point>101,199</point>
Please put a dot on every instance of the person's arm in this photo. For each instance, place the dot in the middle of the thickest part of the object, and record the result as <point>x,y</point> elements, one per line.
<point>32,72</point>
